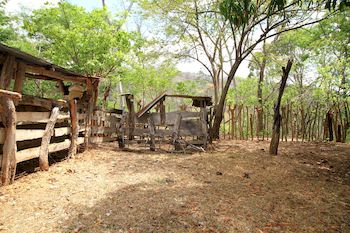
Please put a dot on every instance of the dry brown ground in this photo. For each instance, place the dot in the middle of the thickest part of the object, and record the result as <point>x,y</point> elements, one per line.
<point>237,187</point>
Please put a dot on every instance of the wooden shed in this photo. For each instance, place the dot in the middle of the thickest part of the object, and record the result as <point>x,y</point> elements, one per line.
<point>179,128</point>
<point>32,127</point>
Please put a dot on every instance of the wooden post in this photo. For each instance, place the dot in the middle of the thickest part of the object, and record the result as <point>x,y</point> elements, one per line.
<point>8,117</point>
<point>204,124</point>
<point>152,132</point>
<point>44,148</point>
<point>251,126</point>
<point>74,128</point>
<point>89,113</point>
<point>131,117</point>
<point>176,131</point>
<point>162,112</point>
<point>20,76</point>
<point>8,163</point>
<point>7,72</point>
<point>277,116</point>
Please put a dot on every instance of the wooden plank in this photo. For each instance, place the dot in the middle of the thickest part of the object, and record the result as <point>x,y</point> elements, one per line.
<point>42,102</point>
<point>44,148</point>
<point>167,132</point>
<point>32,153</point>
<point>103,130</point>
<point>102,139</point>
<point>37,117</point>
<point>170,117</point>
<point>150,105</point>
<point>10,94</point>
<point>41,71</point>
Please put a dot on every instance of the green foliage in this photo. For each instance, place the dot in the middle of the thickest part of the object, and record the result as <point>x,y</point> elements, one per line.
<point>6,30</point>
<point>87,42</point>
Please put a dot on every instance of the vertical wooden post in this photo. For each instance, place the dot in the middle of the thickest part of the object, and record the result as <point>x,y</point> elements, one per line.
<point>251,126</point>
<point>8,163</point>
<point>162,112</point>
<point>8,117</point>
<point>204,123</point>
<point>20,76</point>
<point>152,132</point>
<point>7,72</point>
<point>131,116</point>
<point>44,148</point>
<point>89,113</point>
<point>74,128</point>
<point>176,131</point>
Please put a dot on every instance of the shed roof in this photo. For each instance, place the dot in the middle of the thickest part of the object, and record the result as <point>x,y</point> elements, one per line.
<point>154,102</point>
<point>38,62</point>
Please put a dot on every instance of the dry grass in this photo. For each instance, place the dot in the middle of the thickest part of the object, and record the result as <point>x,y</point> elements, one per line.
<point>237,187</point>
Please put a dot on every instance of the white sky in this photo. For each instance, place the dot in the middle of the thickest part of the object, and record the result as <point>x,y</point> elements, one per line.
<point>16,6</point>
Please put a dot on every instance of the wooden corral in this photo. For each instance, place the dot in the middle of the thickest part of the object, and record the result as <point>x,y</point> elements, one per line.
<point>32,127</point>
<point>180,128</point>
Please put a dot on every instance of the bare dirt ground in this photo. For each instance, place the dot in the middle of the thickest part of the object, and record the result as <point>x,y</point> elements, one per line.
<point>237,187</point>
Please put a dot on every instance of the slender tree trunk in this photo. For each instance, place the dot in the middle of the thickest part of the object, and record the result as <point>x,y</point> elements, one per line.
<point>277,116</point>
<point>218,115</point>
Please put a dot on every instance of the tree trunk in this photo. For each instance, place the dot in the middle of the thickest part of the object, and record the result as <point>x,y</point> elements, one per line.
<point>219,110</point>
<point>277,116</point>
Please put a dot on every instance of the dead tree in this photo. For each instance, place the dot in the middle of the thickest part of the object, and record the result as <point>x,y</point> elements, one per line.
<point>277,116</point>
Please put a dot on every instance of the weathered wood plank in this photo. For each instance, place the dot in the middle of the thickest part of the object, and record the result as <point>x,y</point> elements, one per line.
<point>170,117</point>
<point>42,102</point>
<point>102,139</point>
<point>32,153</point>
<point>10,94</point>
<point>41,71</point>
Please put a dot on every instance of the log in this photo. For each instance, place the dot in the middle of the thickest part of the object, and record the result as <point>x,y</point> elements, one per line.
<point>277,116</point>
<point>8,163</point>
<point>10,94</point>
<point>44,148</point>
<point>48,104</point>
<point>152,132</point>
<point>20,76</point>
<point>41,71</point>
<point>75,128</point>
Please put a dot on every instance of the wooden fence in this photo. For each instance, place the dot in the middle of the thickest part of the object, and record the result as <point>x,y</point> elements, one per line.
<point>298,123</point>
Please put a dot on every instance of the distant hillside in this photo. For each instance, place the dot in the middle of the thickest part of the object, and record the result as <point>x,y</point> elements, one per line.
<point>203,82</point>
